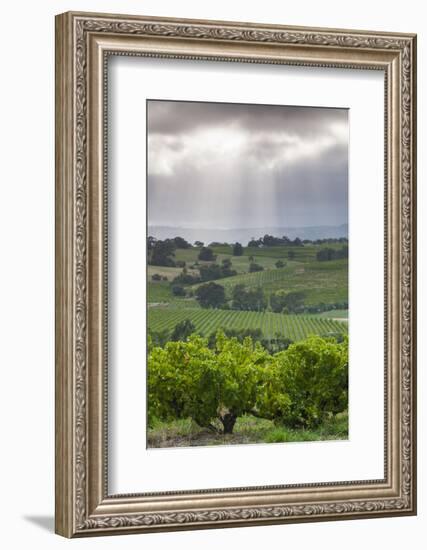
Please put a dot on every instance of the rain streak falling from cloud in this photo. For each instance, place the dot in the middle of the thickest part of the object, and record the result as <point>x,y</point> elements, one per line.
<point>235,166</point>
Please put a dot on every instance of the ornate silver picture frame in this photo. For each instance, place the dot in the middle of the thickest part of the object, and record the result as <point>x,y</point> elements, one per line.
<point>84,43</point>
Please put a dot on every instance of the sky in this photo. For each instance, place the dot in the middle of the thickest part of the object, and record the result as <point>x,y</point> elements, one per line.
<point>224,165</point>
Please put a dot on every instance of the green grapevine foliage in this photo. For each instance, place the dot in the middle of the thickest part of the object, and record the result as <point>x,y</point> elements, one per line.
<point>300,386</point>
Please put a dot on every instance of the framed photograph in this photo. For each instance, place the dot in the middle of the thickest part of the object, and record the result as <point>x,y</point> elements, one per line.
<point>235,274</point>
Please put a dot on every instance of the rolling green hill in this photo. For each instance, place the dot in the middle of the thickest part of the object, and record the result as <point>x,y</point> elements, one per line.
<point>322,282</point>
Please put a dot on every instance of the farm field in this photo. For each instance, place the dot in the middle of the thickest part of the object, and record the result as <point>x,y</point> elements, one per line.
<point>240,263</point>
<point>207,321</point>
<point>322,282</point>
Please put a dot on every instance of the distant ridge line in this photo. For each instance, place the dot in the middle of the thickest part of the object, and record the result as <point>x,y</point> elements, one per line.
<point>244,235</point>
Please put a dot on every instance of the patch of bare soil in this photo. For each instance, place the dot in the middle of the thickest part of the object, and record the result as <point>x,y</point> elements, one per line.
<point>195,440</point>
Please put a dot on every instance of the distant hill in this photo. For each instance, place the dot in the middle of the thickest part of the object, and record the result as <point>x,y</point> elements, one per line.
<point>244,235</point>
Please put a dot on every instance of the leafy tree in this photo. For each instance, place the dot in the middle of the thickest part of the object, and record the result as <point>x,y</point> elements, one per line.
<point>178,290</point>
<point>162,253</point>
<point>156,277</point>
<point>210,295</point>
<point>185,278</point>
<point>226,268</point>
<point>199,244</point>
<point>253,243</point>
<point>183,330</point>
<point>151,241</point>
<point>206,254</point>
<point>279,264</point>
<point>159,338</point>
<point>288,302</point>
<point>327,254</point>
<point>252,299</point>
<point>253,267</point>
<point>237,249</point>
<point>210,272</point>
<point>181,243</point>
<point>269,240</point>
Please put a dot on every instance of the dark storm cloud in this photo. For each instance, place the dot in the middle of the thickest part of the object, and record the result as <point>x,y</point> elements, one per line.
<point>180,117</point>
<point>227,165</point>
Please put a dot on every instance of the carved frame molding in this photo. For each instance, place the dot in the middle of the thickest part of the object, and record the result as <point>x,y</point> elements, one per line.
<point>83,41</point>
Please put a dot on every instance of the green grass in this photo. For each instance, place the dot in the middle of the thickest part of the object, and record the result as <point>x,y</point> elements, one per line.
<point>248,429</point>
<point>334,428</point>
<point>160,292</point>
<point>206,321</point>
<point>239,263</point>
<point>169,272</point>
<point>188,255</point>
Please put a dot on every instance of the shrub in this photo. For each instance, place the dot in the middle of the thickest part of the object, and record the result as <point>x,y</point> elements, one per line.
<point>185,278</point>
<point>206,254</point>
<point>327,254</point>
<point>183,330</point>
<point>253,267</point>
<point>237,249</point>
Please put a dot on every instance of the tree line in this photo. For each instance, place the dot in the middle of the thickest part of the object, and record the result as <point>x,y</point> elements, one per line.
<point>162,252</point>
<point>213,295</point>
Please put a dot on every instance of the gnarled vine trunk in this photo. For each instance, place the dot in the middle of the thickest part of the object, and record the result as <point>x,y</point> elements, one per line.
<point>228,420</point>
